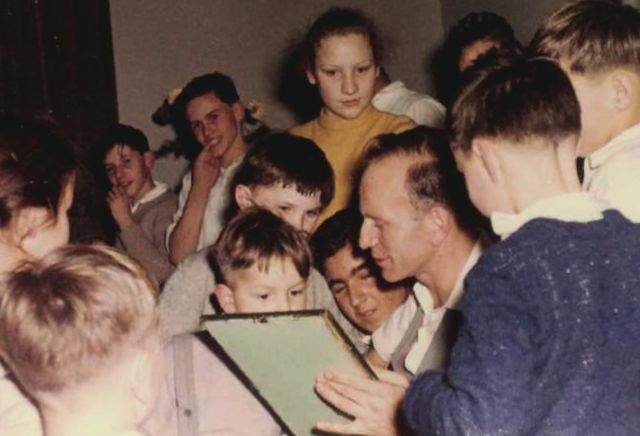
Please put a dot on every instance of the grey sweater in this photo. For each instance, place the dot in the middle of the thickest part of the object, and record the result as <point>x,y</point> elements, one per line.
<point>145,240</point>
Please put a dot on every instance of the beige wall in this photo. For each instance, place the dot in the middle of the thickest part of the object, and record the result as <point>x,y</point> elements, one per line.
<point>161,44</point>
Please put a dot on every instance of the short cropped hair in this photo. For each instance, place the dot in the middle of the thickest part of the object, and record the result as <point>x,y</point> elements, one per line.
<point>256,237</point>
<point>122,134</point>
<point>67,317</point>
<point>591,36</point>
<point>341,21</point>
<point>36,163</point>
<point>290,161</point>
<point>340,230</point>
<point>433,178</point>
<point>526,99</point>
<point>479,26</point>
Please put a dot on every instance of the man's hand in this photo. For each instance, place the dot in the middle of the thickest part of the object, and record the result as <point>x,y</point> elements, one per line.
<point>374,404</point>
<point>206,170</point>
<point>120,209</point>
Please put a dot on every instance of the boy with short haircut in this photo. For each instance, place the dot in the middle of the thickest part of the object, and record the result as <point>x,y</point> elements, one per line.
<point>285,174</point>
<point>141,207</point>
<point>262,264</point>
<point>79,329</point>
<point>551,338</point>
<point>209,109</point>
<point>597,43</point>
<point>361,293</point>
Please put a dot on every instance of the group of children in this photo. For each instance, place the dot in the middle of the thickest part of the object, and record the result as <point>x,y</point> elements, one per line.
<point>360,213</point>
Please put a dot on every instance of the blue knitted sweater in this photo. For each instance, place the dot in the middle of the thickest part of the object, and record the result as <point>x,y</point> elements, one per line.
<point>550,341</point>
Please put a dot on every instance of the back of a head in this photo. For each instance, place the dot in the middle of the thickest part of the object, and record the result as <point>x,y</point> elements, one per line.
<point>528,99</point>
<point>340,21</point>
<point>340,230</point>
<point>256,237</point>
<point>479,26</point>
<point>289,161</point>
<point>432,178</point>
<point>70,316</point>
<point>591,36</point>
<point>36,162</point>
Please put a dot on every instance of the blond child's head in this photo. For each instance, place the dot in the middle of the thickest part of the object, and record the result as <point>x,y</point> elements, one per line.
<point>82,316</point>
<point>261,264</point>
<point>597,43</point>
<point>343,54</point>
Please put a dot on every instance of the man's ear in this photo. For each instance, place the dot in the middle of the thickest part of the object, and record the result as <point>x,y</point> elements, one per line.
<point>311,77</point>
<point>622,86</point>
<point>482,149</point>
<point>244,197</point>
<point>149,159</point>
<point>440,221</point>
<point>225,297</point>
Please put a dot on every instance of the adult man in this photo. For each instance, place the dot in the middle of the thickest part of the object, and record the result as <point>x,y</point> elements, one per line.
<point>418,222</point>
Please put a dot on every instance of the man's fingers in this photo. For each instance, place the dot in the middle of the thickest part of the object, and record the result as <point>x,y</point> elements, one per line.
<point>339,396</point>
<point>364,385</point>
<point>392,377</point>
<point>340,428</point>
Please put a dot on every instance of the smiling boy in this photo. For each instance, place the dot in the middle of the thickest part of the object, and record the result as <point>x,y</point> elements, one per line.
<point>140,206</point>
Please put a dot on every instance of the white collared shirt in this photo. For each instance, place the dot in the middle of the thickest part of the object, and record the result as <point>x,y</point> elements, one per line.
<point>612,174</point>
<point>575,207</point>
<point>158,189</point>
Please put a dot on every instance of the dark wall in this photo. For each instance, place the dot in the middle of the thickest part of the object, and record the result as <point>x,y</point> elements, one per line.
<point>57,60</point>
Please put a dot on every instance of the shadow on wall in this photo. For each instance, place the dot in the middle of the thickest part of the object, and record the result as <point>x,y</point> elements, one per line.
<point>293,88</point>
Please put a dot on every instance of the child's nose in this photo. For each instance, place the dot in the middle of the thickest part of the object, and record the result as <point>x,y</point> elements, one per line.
<point>349,85</point>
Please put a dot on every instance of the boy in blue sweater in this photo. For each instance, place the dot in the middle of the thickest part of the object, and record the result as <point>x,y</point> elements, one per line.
<point>550,342</point>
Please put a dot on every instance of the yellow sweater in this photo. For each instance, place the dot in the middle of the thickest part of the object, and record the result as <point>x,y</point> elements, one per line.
<point>344,140</point>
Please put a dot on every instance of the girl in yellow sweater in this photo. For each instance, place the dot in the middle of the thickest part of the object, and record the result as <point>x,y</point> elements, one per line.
<point>343,60</point>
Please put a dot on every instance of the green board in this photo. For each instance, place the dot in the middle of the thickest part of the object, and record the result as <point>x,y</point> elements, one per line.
<point>279,357</point>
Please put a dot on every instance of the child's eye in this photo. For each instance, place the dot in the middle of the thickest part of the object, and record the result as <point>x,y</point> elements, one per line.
<point>297,292</point>
<point>313,213</point>
<point>284,208</point>
<point>263,296</point>
<point>363,69</point>
<point>330,73</point>
<point>196,127</point>
<point>212,117</point>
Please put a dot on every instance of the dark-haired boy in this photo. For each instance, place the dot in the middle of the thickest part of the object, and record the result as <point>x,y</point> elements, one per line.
<point>285,174</point>
<point>362,294</point>
<point>550,342</point>
<point>209,108</point>
<point>141,207</point>
<point>597,43</point>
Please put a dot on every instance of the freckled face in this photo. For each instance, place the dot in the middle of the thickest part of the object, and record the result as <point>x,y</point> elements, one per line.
<point>345,73</point>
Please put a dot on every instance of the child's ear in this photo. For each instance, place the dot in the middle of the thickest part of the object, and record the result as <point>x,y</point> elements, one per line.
<point>623,85</point>
<point>145,377</point>
<point>377,70</point>
<point>484,151</point>
<point>244,197</point>
<point>238,111</point>
<point>28,221</point>
<point>311,77</point>
<point>149,159</point>
<point>224,294</point>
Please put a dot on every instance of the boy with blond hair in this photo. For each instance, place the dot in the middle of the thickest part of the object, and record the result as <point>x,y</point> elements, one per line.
<point>550,342</point>
<point>79,329</point>
<point>262,264</point>
<point>597,43</point>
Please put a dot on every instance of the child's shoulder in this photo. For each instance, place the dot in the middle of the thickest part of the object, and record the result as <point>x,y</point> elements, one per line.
<point>393,123</point>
